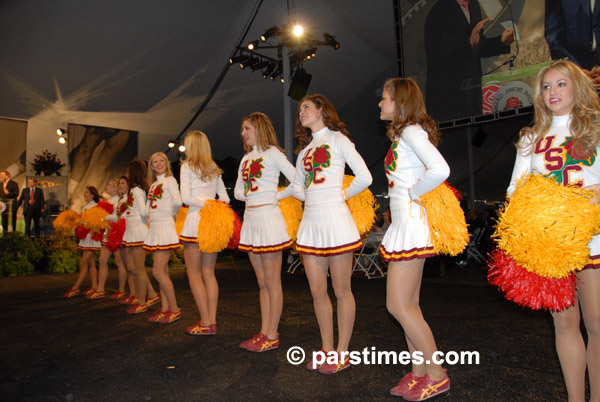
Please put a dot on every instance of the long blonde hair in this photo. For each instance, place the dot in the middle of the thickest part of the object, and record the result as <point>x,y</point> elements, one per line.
<point>265,132</point>
<point>198,156</point>
<point>151,176</point>
<point>585,115</point>
<point>410,109</point>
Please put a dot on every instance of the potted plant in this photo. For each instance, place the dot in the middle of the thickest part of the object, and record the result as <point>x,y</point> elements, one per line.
<point>46,164</point>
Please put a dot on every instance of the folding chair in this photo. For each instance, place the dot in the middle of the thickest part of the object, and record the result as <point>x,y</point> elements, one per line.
<point>367,261</point>
<point>472,248</point>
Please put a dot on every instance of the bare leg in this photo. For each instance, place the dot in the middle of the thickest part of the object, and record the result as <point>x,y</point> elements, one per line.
<point>122,272</point>
<point>83,268</point>
<point>103,269</point>
<point>589,300</point>
<point>263,293</point>
<point>211,285</point>
<point>160,271</point>
<point>341,274</point>
<point>316,272</point>
<point>403,286</point>
<point>268,274</point>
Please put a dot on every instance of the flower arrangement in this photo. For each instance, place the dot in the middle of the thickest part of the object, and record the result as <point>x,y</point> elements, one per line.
<point>47,163</point>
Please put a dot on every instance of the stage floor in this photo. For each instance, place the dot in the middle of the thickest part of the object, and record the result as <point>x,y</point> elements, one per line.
<point>91,350</point>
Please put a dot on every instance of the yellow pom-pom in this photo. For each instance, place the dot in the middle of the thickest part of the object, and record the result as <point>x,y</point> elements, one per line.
<point>362,206</point>
<point>546,227</point>
<point>215,227</point>
<point>66,221</point>
<point>291,209</point>
<point>180,219</point>
<point>93,219</point>
<point>446,220</point>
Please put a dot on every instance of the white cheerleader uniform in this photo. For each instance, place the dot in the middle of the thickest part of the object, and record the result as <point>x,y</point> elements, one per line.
<point>135,213</point>
<point>114,201</point>
<point>414,167</point>
<point>87,244</point>
<point>327,227</point>
<point>162,205</point>
<point>552,157</point>
<point>194,193</point>
<point>264,229</point>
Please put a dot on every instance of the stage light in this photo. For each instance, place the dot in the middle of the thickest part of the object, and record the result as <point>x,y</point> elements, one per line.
<point>268,70</point>
<point>60,131</point>
<point>253,44</point>
<point>330,40</point>
<point>181,148</point>
<point>298,30</point>
<point>62,140</point>
<point>282,80</point>
<point>269,33</point>
<point>310,53</point>
<point>277,72</point>
<point>250,62</point>
<point>240,58</point>
<point>171,144</point>
<point>259,66</point>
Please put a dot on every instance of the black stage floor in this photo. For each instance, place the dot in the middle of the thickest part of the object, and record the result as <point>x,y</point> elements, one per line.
<point>91,350</point>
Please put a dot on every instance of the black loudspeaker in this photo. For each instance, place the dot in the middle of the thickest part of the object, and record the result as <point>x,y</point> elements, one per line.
<point>480,135</point>
<point>299,85</point>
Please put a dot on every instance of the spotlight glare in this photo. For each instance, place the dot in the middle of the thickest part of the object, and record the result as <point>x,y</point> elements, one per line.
<point>62,140</point>
<point>181,148</point>
<point>252,45</point>
<point>269,33</point>
<point>171,144</point>
<point>298,30</point>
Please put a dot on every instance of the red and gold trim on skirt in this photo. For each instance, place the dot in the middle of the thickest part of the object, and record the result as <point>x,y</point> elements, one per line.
<point>406,255</point>
<point>134,244</point>
<point>185,239</point>
<point>265,249</point>
<point>329,251</point>
<point>594,263</point>
<point>167,247</point>
<point>88,248</point>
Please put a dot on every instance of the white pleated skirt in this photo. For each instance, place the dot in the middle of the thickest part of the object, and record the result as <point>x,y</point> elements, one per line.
<point>594,246</point>
<point>161,236</point>
<point>135,233</point>
<point>88,244</point>
<point>407,237</point>
<point>189,233</point>
<point>327,230</point>
<point>264,230</point>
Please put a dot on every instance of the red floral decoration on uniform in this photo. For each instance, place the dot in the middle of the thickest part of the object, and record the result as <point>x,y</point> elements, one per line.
<point>321,156</point>
<point>156,193</point>
<point>256,168</point>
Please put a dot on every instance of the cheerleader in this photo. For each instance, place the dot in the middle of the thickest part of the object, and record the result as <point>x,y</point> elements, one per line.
<point>135,233</point>
<point>563,144</point>
<point>413,167</point>
<point>200,181</point>
<point>87,247</point>
<point>264,234</point>
<point>112,190</point>
<point>327,236</point>
<point>163,203</point>
<point>128,277</point>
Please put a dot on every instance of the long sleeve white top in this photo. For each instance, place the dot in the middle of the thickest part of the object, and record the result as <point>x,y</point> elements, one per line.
<point>413,166</point>
<point>164,199</point>
<point>551,157</point>
<point>320,169</point>
<point>136,205</point>
<point>258,177</point>
<point>195,191</point>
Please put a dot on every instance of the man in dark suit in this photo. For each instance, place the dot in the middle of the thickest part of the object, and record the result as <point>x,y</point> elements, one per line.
<point>32,199</point>
<point>455,44</point>
<point>572,30</point>
<point>9,192</point>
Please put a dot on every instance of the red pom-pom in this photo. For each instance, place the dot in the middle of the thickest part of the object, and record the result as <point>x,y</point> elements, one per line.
<point>116,230</point>
<point>457,194</point>
<point>234,241</point>
<point>528,289</point>
<point>105,205</point>
<point>98,236</point>
<point>81,232</point>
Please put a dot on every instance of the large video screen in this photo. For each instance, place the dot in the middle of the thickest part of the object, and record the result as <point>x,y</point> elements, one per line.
<point>465,74</point>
